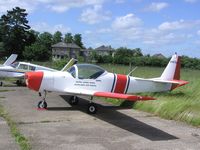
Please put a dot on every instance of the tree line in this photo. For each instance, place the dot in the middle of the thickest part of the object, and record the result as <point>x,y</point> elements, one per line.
<point>16,36</point>
<point>135,57</point>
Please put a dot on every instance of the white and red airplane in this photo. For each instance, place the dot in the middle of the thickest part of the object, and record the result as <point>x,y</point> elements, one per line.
<point>94,81</point>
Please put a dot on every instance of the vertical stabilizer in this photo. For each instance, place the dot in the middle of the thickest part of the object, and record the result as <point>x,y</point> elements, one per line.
<point>172,71</point>
<point>10,60</point>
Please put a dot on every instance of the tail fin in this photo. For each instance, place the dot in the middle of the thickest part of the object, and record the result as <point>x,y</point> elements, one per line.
<point>171,74</point>
<point>10,60</point>
<point>172,71</point>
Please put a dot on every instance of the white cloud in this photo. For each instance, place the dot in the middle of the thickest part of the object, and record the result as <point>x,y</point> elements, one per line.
<point>198,32</point>
<point>119,1</point>
<point>57,6</point>
<point>197,42</point>
<point>104,30</point>
<point>94,15</point>
<point>129,28</point>
<point>156,7</point>
<point>181,24</point>
<point>191,1</point>
<point>130,21</point>
<point>44,27</point>
<point>8,5</point>
<point>64,5</point>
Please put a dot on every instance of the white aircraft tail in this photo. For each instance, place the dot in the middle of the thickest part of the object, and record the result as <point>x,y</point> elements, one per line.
<point>172,71</point>
<point>10,60</point>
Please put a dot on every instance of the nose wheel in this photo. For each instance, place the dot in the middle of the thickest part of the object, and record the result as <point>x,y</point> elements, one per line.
<point>42,104</point>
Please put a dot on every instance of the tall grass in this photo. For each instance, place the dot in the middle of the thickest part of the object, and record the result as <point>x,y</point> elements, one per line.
<point>181,104</point>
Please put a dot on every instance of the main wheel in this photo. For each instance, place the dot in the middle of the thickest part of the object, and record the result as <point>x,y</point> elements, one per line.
<point>1,83</point>
<point>42,104</point>
<point>18,82</point>
<point>92,108</point>
<point>73,100</point>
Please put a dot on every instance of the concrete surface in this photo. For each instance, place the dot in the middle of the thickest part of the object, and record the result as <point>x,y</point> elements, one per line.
<point>69,127</point>
<point>7,142</point>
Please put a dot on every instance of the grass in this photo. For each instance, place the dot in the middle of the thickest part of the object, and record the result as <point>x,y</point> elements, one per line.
<point>182,104</point>
<point>6,90</point>
<point>19,138</point>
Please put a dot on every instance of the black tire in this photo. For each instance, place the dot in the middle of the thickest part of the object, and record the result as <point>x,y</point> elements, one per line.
<point>73,100</point>
<point>92,108</point>
<point>19,83</point>
<point>42,104</point>
<point>40,94</point>
<point>1,83</point>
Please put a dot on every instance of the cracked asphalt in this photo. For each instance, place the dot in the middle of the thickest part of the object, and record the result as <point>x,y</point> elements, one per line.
<point>63,126</point>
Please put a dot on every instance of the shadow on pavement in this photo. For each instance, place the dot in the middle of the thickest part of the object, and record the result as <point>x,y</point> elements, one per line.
<point>111,115</point>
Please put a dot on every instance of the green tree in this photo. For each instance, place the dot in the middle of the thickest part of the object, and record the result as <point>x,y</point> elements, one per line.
<point>123,55</point>
<point>41,49</point>
<point>137,52</point>
<point>15,31</point>
<point>68,38</point>
<point>46,39</point>
<point>78,40</point>
<point>57,37</point>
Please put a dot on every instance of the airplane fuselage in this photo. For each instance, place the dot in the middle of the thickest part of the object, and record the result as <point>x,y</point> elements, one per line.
<point>8,71</point>
<point>107,82</point>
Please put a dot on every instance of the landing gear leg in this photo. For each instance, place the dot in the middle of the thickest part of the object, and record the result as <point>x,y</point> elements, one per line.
<point>43,104</point>
<point>92,108</point>
<point>1,83</point>
<point>73,100</point>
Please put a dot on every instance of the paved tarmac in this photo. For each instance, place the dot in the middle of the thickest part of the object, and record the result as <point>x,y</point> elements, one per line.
<point>63,126</point>
<point>7,142</point>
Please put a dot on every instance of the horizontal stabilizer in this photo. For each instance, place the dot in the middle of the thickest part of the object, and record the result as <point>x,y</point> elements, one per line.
<point>123,96</point>
<point>159,80</point>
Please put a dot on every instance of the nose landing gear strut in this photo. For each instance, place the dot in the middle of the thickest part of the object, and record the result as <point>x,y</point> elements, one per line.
<point>42,104</point>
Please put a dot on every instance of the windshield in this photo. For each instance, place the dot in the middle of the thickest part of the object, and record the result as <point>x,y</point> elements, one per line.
<point>72,71</point>
<point>23,66</point>
<point>88,71</point>
<point>14,65</point>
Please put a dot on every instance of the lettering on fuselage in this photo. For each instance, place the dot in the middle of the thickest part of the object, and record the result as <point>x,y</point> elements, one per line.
<point>85,83</point>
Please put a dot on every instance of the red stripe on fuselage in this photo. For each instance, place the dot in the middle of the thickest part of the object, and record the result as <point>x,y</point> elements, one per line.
<point>120,83</point>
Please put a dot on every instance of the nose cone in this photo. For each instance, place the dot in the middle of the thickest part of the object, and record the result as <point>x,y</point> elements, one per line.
<point>34,80</point>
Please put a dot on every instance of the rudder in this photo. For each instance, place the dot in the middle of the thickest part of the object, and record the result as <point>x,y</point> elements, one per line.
<point>172,71</point>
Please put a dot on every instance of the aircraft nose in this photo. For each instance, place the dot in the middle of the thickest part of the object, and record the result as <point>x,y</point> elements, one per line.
<point>34,80</point>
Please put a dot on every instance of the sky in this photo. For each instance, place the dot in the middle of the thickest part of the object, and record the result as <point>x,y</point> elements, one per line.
<point>158,26</point>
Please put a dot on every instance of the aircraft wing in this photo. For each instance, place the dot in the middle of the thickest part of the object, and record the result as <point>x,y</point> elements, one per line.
<point>127,97</point>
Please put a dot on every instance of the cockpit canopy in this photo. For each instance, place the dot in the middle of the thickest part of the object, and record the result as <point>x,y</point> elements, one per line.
<point>23,66</point>
<point>86,71</point>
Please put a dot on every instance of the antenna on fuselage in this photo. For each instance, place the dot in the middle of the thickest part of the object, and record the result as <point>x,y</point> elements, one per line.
<point>132,71</point>
<point>69,64</point>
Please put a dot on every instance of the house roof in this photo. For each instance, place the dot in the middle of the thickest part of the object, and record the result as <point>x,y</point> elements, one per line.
<point>66,45</point>
<point>104,48</point>
<point>159,55</point>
